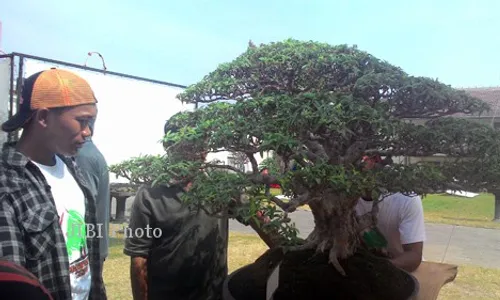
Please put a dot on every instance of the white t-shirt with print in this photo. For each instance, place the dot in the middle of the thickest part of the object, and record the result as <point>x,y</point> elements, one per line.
<point>70,204</point>
<point>400,219</point>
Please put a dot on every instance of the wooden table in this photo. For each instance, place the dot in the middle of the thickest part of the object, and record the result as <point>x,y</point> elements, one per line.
<point>432,277</point>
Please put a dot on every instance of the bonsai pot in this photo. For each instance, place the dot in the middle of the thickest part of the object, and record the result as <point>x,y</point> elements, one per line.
<point>307,275</point>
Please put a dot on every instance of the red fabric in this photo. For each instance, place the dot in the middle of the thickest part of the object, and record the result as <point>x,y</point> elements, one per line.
<point>6,266</point>
<point>12,275</point>
<point>18,278</point>
<point>371,161</point>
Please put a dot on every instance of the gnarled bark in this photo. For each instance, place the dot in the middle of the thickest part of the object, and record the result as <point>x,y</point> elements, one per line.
<point>336,227</point>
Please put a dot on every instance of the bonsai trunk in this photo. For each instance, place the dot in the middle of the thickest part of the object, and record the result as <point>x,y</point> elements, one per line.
<point>335,230</point>
<point>306,272</point>
<point>336,227</point>
<point>272,239</point>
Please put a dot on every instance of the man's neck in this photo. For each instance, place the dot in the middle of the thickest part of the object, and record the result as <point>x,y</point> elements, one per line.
<point>36,151</point>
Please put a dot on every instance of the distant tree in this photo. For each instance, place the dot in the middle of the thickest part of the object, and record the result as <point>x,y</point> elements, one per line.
<point>239,160</point>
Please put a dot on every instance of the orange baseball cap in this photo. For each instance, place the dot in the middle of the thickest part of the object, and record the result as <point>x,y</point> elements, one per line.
<point>49,89</point>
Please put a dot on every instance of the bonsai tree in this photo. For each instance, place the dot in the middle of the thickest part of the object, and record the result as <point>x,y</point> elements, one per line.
<point>322,108</point>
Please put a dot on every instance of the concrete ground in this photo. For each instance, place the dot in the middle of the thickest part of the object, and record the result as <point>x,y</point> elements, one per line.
<point>445,243</point>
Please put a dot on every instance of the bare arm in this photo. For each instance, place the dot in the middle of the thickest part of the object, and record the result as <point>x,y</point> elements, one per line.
<point>139,277</point>
<point>411,258</point>
<point>412,230</point>
<point>138,247</point>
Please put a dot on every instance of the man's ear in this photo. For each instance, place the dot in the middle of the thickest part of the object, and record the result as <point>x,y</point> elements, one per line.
<point>41,117</point>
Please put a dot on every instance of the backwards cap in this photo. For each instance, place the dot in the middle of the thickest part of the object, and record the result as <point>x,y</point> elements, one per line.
<point>49,89</point>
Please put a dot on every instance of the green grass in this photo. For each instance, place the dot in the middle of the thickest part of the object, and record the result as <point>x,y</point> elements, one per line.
<point>474,212</point>
<point>275,192</point>
<point>117,271</point>
<point>471,282</point>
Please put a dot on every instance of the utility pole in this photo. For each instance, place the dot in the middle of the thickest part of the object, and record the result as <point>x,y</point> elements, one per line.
<point>496,193</point>
<point>497,206</point>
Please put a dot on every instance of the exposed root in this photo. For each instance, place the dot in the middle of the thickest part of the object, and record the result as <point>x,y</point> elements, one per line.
<point>332,247</point>
<point>333,259</point>
<point>311,242</point>
<point>336,228</point>
<point>306,246</point>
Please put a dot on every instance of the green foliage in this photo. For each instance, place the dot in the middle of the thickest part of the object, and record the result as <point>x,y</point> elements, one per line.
<point>323,107</point>
<point>140,169</point>
<point>151,169</point>
<point>271,164</point>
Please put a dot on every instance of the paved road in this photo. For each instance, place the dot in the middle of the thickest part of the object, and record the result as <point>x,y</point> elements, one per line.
<point>445,243</point>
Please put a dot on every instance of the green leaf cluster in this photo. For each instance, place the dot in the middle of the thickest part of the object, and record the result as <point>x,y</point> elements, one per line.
<point>320,108</point>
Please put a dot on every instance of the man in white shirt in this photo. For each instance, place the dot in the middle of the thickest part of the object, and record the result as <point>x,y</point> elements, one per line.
<point>69,201</point>
<point>400,219</point>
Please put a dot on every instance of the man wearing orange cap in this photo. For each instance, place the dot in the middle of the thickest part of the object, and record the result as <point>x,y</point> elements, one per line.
<point>48,214</point>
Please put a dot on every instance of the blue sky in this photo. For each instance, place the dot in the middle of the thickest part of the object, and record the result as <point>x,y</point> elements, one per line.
<point>454,41</point>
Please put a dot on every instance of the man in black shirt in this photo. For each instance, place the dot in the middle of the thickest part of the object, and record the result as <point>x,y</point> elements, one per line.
<point>184,256</point>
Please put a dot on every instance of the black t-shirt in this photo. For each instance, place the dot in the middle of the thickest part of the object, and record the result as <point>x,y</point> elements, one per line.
<point>186,248</point>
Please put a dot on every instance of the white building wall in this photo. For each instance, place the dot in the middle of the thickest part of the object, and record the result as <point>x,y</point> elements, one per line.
<point>223,158</point>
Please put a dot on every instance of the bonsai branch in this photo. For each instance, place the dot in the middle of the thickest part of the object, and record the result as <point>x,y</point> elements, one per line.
<point>253,161</point>
<point>299,159</point>
<point>271,237</point>
<point>317,149</point>
<point>307,154</point>
<point>282,204</point>
<point>291,205</point>
<point>224,167</point>
<point>263,179</point>
<point>212,98</point>
<point>126,176</point>
<point>315,137</point>
<point>298,201</point>
<point>354,152</point>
